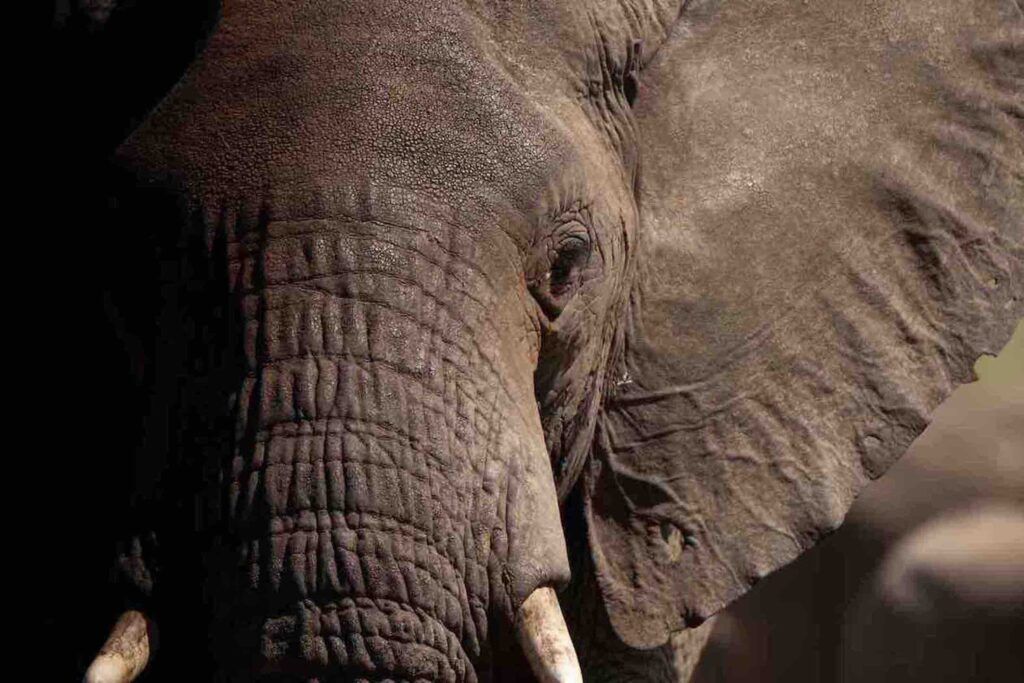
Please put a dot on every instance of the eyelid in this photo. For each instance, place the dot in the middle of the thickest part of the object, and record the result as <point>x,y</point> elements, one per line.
<point>572,227</point>
<point>570,241</point>
<point>568,232</point>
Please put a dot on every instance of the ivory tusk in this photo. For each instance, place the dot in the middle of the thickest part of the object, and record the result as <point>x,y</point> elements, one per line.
<point>125,654</point>
<point>544,637</point>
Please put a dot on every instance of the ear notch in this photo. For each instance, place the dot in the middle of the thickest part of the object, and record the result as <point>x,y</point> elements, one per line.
<point>833,232</point>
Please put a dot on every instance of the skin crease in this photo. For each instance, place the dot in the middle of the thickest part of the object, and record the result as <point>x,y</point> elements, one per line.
<point>433,341</point>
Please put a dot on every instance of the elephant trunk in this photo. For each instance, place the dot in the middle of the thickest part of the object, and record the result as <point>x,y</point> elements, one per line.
<point>351,530</point>
<point>386,499</point>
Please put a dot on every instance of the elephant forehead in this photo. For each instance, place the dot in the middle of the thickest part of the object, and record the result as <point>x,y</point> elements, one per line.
<point>333,96</point>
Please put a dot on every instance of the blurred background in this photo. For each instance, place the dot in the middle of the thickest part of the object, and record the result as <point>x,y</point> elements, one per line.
<point>924,581</point>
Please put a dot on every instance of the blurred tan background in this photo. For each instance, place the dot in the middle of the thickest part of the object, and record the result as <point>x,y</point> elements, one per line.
<point>924,581</point>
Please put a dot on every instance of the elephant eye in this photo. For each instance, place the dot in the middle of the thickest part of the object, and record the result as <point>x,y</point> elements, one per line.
<point>569,260</point>
<point>556,287</point>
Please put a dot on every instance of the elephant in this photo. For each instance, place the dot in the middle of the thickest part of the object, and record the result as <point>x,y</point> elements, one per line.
<point>947,602</point>
<point>497,340</point>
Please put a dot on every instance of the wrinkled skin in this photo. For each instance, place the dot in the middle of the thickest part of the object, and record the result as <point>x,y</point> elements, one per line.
<point>792,626</point>
<point>433,272</point>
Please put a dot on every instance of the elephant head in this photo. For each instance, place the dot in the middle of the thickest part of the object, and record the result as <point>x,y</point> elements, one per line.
<point>693,271</point>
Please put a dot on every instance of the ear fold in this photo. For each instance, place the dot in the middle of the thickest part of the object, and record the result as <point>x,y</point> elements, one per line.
<point>833,231</point>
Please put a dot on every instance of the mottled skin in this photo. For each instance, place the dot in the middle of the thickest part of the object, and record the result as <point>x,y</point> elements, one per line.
<point>425,297</point>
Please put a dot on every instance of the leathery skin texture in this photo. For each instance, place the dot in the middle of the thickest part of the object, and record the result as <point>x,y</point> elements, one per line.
<point>385,498</point>
<point>455,296</point>
<point>376,480</point>
<point>373,470</point>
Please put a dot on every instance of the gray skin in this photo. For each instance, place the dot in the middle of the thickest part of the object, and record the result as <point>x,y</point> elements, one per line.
<point>691,273</point>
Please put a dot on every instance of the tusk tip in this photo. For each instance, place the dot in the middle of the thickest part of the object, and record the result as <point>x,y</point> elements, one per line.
<point>106,669</point>
<point>545,638</point>
<point>126,652</point>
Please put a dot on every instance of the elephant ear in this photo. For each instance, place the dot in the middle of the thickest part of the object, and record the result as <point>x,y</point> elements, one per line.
<point>832,209</point>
